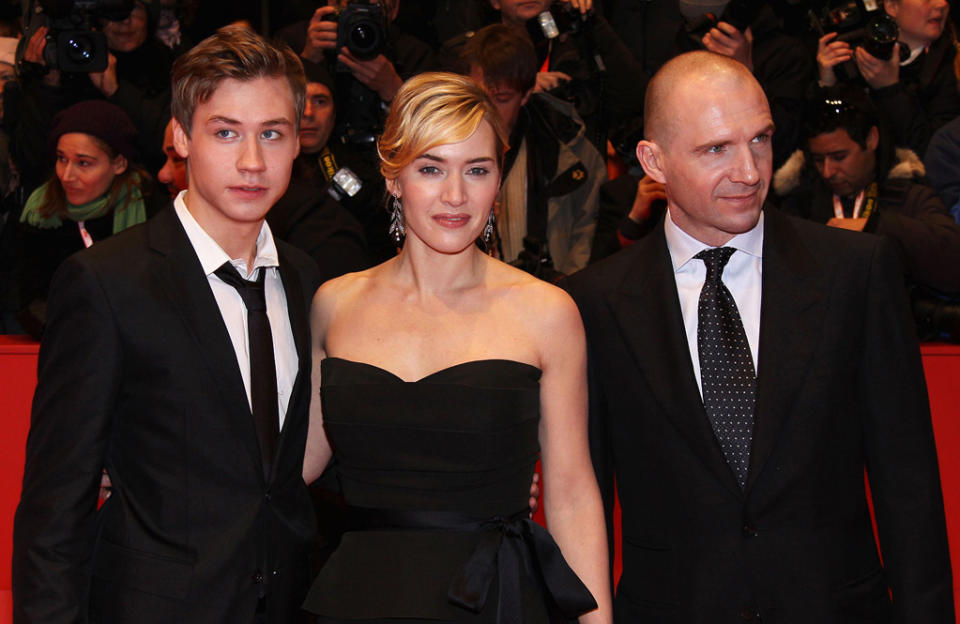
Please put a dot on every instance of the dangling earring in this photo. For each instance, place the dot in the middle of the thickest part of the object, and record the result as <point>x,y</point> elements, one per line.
<point>488,228</point>
<point>397,230</point>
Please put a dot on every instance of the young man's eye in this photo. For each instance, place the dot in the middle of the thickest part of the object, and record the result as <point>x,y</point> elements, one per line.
<point>271,134</point>
<point>225,133</point>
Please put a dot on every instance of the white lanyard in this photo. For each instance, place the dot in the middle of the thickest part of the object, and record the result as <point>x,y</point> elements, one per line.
<point>84,234</point>
<point>857,206</point>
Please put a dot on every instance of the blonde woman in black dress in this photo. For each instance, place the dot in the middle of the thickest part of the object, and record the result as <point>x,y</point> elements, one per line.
<point>444,374</point>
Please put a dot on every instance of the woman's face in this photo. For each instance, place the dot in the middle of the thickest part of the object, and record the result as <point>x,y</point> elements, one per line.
<point>84,169</point>
<point>447,193</point>
<point>921,22</point>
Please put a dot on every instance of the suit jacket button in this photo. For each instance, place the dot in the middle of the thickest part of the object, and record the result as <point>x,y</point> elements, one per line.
<point>749,613</point>
<point>257,577</point>
<point>268,497</point>
<point>749,530</point>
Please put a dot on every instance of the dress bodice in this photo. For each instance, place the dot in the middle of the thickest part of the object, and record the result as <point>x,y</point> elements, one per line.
<point>461,439</point>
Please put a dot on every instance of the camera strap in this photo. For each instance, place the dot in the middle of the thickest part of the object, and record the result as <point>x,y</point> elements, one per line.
<point>328,164</point>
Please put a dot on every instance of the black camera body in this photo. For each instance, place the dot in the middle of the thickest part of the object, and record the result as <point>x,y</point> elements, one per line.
<point>362,29</point>
<point>861,23</point>
<point>74,42</point>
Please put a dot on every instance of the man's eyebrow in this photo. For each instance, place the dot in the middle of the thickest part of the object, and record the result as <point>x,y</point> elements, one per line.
<point>280,121</point>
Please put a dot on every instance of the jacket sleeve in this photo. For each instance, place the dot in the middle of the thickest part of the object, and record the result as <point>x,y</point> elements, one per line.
<point>915,111</point>
<point>78,379</point>
<point>900,453</point>
<point>926,238</point>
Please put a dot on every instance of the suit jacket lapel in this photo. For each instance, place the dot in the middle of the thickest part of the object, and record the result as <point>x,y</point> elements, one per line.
<point>791,326</point>
<point>296,309</point>
<point>188,291</point>
<point>647,310</point>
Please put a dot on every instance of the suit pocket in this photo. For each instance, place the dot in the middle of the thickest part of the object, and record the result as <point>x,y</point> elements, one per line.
<point>649,575</point>
<point>151,573</point>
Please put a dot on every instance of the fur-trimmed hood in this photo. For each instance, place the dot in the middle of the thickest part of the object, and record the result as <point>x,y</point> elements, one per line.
<point>907,165</point>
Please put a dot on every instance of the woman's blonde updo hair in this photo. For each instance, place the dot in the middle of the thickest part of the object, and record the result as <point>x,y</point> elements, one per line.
<point>431,109</point>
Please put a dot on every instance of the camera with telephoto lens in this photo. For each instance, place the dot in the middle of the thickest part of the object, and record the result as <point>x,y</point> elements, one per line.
<point>861,23</point>
<point>560,19</point>
<point>738,13</point>
<point>74,43</point>
<point>361,28</point>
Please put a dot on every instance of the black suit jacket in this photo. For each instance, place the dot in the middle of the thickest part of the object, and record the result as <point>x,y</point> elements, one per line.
<point>840,388</point>
<point>137,374</point>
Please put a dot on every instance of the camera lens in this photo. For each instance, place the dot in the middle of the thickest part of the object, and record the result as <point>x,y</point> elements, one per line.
<point>364,40</point>
<point>79,50</point>
<point>882,33</point>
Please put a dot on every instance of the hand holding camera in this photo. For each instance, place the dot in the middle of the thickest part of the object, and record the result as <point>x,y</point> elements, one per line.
<point>321,34</point>
<point>878,73</point>
<point>726,39</point>
<point>377,74</point>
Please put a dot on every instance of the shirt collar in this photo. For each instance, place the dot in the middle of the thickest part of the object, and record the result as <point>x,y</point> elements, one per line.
<point>684,247</point>
<point>212,256</point>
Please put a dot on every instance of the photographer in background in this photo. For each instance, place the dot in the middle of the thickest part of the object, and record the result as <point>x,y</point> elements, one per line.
<point>582,60</point>
<point>369,66</point>
<point>130,68</point>
<point>551,176</point>
<point>916,90</point>
<point>859,181</point>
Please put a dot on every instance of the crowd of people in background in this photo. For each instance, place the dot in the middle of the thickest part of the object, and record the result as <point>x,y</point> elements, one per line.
<point>862,142</point>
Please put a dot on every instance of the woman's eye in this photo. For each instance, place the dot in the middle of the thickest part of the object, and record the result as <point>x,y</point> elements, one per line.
<point>478,171</point>
<point>429,170</point>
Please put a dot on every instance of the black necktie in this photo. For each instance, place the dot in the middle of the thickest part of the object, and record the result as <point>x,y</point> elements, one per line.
<point>263,371</point>
<point>727,377</point>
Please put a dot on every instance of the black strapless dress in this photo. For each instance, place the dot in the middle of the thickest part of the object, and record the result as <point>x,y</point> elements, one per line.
<point>437,475</point>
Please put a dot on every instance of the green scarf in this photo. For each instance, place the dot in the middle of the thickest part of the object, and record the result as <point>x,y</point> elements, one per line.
<point>135,211</point>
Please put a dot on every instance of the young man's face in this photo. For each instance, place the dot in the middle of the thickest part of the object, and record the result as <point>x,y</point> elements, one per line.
<point>508,99</point>
<point>239,152</point>
<point>845,166</point>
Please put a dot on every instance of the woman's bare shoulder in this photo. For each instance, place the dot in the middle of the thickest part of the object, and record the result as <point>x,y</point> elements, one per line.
<point>545,304</point>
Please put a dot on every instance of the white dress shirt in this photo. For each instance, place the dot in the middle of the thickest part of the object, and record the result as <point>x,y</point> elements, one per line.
<point>741,276</point>
<point>232,308</point>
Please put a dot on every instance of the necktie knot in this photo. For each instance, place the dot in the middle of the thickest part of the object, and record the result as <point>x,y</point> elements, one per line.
<point>715,259</point>
<point>252,292</point>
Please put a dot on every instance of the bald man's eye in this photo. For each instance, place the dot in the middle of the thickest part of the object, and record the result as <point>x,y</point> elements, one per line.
<point>716,149</point>
<point>762,138</point>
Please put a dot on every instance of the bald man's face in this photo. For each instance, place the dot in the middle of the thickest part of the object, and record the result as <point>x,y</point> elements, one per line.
<point>715,159</point>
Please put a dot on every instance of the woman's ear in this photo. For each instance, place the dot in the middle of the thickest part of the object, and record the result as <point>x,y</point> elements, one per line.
<point>393,188</point>
<point>120,164</point>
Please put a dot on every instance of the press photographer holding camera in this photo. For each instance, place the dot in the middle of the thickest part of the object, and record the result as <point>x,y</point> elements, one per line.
<point>915,87</point>
<point>76,50</point>
<point>582,60</point>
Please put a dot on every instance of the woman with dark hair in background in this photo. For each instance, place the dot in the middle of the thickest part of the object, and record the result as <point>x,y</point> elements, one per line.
<point>96,191</point>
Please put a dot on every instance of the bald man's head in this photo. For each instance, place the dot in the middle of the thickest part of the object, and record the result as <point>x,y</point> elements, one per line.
<point>683,77</point>
<point>708,128</point>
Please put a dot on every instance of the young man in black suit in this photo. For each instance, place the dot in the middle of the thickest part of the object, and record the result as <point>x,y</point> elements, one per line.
<point>154,368</point>
<point>745,368</point>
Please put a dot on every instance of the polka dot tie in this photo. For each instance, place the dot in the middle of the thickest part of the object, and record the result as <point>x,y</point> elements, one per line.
<point>727,377</point>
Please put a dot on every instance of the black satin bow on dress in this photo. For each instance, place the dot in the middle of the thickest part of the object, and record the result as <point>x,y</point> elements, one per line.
<point>506,544</point>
